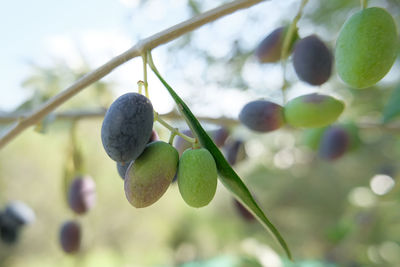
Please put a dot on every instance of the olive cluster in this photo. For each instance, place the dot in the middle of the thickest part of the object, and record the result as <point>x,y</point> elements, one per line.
<point>81,197</point>
<point>15,216</point>
<point>149,165</point>
<point>365,51</point>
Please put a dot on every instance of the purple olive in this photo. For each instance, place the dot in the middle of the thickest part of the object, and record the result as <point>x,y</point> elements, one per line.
<point>82,194</point>
<point>70,237</point>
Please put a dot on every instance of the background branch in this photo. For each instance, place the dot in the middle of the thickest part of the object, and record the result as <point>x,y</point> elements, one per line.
<point>80,114</point>
<point>137,50</point>
<point>99,114</point>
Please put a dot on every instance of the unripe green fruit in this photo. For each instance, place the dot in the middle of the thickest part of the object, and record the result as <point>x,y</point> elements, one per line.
<point>366,47</point>
<point>152,172</point>
<point>197,177</point>
<point>313,110</point>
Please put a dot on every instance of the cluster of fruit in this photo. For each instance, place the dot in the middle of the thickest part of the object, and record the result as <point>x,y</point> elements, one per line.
<point>15,215</point>
<point>148,165</point>
<point>365,51</point>
<point>81,198</point>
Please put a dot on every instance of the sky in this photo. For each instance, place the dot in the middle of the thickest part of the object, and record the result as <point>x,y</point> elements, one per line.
<point>30,29</point>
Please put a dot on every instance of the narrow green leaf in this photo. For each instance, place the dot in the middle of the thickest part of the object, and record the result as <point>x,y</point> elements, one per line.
<point>227,175</point>
<point>392,108</point>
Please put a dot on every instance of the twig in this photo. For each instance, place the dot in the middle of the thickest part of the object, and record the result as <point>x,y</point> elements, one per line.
<point>137,50</point>
<point>173,130</point>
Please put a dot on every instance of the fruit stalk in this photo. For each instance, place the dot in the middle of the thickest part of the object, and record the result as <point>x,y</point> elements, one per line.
<point>363,4</point>
<point>172,129</point>
<point>146,85</point>
<point>286,45</point>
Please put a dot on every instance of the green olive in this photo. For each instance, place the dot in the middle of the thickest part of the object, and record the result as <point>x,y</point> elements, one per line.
<point>366,47</point>
<point>197,177</point>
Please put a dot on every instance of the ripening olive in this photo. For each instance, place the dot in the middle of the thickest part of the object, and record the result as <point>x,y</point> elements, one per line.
<point>149,176</point>
<point>82,194</point>
<point>312,60</point>
<point>312,110</point>
<point>334,143</point>
<point>262,116</point>
<point>70,237</point>
<point>270,48</point>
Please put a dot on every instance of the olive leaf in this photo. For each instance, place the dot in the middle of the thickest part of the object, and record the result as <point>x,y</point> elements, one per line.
<point>227,175</point>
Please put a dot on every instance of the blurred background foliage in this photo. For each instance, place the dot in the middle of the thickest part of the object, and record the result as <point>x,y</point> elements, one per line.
<point>330,213</point>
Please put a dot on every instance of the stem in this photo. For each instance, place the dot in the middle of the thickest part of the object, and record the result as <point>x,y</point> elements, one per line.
<point>143,45</point>
<point>171,138</point>
<point>172,129</point>
<point>146,85</point>
<point>157,73</point>
<point>140,86</point>
<point>286,45</point>
<point>364,4</point>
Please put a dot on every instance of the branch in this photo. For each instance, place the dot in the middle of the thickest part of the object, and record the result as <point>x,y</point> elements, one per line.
<point>99,114</point>
<point>83,114</point>
<point>137,50</point>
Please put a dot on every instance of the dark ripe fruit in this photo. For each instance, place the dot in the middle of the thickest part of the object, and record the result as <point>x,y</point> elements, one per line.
<point>82,194</point>
<point>127,127</point>
<point>262,116</point>
<point>219,136</point>
<point>19,213</point>
<point>9,234</point>
<point>353,131</point>
<point>197,177</point>
<point>70,237</point>
<point>270,49</point>
<point>243,212</point>
<point>149,176</point>
<point>367,47</point>
<point>334,143</point>
<point>122,168</point>
<point>312,60</point>
<point>181,144</point>
<point>235,152</point>
<point>9,229</point>
<point>312,137</point>
<point>313,110</point>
